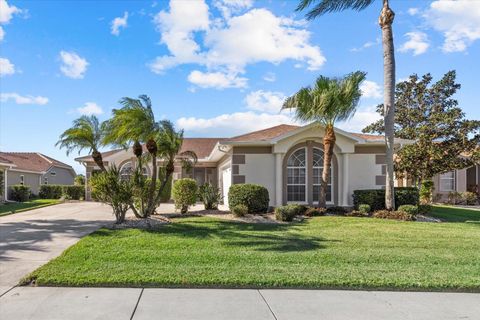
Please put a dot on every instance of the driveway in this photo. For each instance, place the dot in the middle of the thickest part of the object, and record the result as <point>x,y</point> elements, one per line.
<point>32,238</point>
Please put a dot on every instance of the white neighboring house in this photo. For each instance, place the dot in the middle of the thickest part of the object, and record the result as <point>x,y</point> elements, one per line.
<point>286,159</point>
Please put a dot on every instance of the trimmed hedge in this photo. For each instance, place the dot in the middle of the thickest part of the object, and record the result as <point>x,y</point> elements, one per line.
<point>288,212</point>
<point>55,191</point>
<point>20,193</point>
<point>375,198</point>
<point>254,196</point>
<point>408,208</point>
<point>239,210</point>
<point>184,193</point>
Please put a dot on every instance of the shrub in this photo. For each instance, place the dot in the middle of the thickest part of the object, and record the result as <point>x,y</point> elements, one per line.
<point>337,210</point>
<point>50,191</point>
<point>210,196</point>
<point>254,196</point>
<point>73,192</point>
<point>110,189</point>
<point>396,215</point>
<point>184,193</point>
<point>288,212</point>
<point>454,197</point>
<point>408,208</point>
<point>424,209</point>
<point>240,210</point>
<point>20,192</point>
<point>315,212</point>
<point>364,208</point>
<point>357,213</point>
<point>469,198</point>
<point>376,197</point>
<point>426,191</point>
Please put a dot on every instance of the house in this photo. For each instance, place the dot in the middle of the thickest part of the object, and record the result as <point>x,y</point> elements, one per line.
<point>460,180</point>
<point>32,169</point>
<point>286,159</point>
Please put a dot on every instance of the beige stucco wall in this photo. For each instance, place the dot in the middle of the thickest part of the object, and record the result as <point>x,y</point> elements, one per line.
<point>260,169</point>
<point>362,171</point>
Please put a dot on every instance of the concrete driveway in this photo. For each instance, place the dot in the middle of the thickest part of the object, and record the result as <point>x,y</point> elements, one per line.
<point>32,238</point>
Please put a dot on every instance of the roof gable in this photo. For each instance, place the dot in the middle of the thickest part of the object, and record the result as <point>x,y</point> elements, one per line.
<point>32,161</point>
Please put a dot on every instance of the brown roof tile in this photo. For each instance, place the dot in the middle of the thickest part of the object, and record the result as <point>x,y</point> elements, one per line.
<point>371,137</point>
<point>31,161</point>
<point>265,134</point>
<point>201,146</point>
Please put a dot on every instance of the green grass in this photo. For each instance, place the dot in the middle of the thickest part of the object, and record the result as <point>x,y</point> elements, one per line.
<point>323,252</point>
<point>15,207</point>
<point>452,214</point>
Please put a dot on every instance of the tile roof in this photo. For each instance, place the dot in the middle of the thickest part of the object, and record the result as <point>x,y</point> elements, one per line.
<point>32,161</point>
<point>265,134</point>
<point>5,160</point>
<point>369,137</point>
<point>201,146</point>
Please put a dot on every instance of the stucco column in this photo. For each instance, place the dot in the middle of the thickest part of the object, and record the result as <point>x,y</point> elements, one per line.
<point>5,185</point>
<point>345,175</point>
<point>278,179</point>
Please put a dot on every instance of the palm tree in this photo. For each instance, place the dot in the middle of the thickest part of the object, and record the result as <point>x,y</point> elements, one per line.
<point>85,133</point>
<point>328,101</point>
<point>385,21</point>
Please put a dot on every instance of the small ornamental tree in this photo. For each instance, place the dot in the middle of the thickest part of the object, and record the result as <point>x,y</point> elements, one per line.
<point>428,114</point>
<point>184,193</point>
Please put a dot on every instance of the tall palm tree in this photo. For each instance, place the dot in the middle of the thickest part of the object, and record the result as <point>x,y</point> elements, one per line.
<point>85,133</point>
<point>320,7</point>
<point>134,124</point>
<point>328,101</point>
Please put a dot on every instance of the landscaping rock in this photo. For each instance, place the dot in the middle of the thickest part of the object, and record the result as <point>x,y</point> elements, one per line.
<point>152,222</point>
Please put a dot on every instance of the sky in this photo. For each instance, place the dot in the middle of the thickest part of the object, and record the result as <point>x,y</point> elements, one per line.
<point>215,68</point>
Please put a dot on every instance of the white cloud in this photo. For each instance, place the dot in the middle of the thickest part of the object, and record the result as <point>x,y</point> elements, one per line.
<point>119,22</point>
<point>270,77</point>
<point>234,123</point>
<point>18,99</point>
<point>413,11</point>
<point>370,89</point>
<point>229,7</point>
<point>217,80</point>
<point>366,45</point>
<point>6,67</point>
<point>417,42</point>
<point>73,66</point>
<point>7,12</point>
<point>2,33</point>
<point>232,42</point>
<point>362,118</point>
<point>265,101</point>
<point>459,21</point>
<point>89,109</point>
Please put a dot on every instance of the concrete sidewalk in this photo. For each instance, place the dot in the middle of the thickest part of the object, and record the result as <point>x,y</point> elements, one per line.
<point>212,304</point>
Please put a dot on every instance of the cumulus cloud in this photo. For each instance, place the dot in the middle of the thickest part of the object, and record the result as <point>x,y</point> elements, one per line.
<point>19,99</point>
<point>413,11</point>
<point>90,108</point>
<point>228,43</point>
<point>217,80</point>
<point>417,43</point>
<point>233,124</point>
<point>265,101</point>
<point>362,118</point>
<point>73,66</point>
<point>459,21</point>
<point>2,33</point>
<point>6,14</point>
<point>270,77</point>
<point>6,67</point>
<point>229,7</point>
<point>370,89</point>
<point>118,23</point>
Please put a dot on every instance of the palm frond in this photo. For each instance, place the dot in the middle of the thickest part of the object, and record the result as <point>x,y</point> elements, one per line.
<point>320,7</point>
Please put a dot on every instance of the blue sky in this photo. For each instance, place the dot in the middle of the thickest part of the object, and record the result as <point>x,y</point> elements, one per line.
<point>215,68</point>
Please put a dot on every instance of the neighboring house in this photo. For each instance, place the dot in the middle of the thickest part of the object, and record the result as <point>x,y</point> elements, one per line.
<point>460,180</point>
<point>33,169</point>
<point>286,159</point>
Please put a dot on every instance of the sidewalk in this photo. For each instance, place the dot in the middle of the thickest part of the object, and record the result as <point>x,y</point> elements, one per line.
<point>125,303</point>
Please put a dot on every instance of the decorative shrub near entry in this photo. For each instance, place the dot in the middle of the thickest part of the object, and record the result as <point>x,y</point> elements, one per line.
<point>254,196</point>
<point>240,210</point>
<point>288,212</point>
<point>376,197</point>
<point>20,193</point>
<point>364,208</point>
<point>408,208</point>
<point>184,193</point>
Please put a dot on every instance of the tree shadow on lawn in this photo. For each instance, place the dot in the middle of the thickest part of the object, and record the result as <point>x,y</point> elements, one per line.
<point>254,236</point>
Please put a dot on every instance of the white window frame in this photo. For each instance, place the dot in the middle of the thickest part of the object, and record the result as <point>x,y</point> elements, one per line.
<point>306,176</point>
<point>451,178</point>
<point>22,179</point>
<point>45,180</point>
<point>319,184</point>
<point>145,168</point>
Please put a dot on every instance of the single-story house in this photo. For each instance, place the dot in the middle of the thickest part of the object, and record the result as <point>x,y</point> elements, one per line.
<point>460,180</point>
<point>286,159</point>
<point>32,169</point>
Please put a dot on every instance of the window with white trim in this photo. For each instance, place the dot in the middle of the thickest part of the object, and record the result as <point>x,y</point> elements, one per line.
<point>126,170</point>
<point>53,173</point>
<point>447,181</point>
<point>317,176</point>
<point>45,180</point>
<point>297,176</point>
<point>22,179</point>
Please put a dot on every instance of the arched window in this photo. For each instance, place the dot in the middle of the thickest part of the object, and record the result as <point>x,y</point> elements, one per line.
<point>317,176</point>
<point>126,170</point>
<point>297,176</point>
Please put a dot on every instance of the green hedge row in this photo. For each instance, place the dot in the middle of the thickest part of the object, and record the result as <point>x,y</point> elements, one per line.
<point>55,191</point>
<point>375,198</point>
<point>20,193</point>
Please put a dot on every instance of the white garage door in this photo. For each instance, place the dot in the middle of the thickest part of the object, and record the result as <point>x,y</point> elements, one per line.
<point>227,181</point>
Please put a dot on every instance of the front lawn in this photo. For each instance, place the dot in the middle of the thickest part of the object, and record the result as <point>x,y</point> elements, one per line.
<point>452,214</point>
<point>14,207</point>
<point>323,252</point>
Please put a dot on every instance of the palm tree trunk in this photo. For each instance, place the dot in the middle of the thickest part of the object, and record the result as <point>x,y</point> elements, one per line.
<point>328,144</point>
<point>169,168</point>
<point>97,157</point>
<point>386,21</point>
